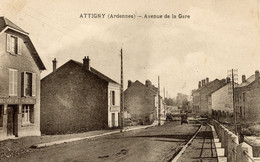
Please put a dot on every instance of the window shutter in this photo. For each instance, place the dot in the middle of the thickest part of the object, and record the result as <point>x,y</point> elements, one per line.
<point>23,84</point>
<point>33,84</point>
<point>19,46</point>
<point>10,82</point>
<point>111,98</point>
<point>15,82</point>
<point>8,43</point>
<point>31,114</point>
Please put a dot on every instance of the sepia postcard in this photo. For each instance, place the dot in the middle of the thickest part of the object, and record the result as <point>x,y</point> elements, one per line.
<point>130,80</point>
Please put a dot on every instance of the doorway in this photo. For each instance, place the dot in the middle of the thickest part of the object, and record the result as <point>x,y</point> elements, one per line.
<point>113,120</point>
<point>12,120</point>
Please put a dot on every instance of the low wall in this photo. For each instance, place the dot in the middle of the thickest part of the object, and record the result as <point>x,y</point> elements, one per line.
<point>233,151</point>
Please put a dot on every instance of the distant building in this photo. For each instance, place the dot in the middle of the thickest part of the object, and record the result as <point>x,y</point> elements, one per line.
<point>76,97</point>
<point>200,96</point>
<point>222,99</point>
<point>141,101</point>
<point>20,67</point>
<point>247,99</point>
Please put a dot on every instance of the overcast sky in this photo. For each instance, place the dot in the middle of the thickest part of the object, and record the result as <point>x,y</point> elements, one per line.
<point>218,36</point>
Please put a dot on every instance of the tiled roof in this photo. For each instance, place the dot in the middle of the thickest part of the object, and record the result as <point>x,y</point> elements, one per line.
<point>248,81</point>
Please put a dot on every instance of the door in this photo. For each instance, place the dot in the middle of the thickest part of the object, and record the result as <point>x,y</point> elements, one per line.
<point>12,121</point>
<point>113,120</point>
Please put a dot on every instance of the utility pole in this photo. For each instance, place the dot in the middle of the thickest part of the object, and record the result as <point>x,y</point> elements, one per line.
<point>159,103</point>
<point>122,93</point>
<point>234,78</point>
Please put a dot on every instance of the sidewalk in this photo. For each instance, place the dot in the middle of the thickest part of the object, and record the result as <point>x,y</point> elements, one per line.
<point>15,147</point>
<point>202,148</point>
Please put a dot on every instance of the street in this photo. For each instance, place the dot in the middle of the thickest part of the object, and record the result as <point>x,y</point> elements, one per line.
<point>159,143</point>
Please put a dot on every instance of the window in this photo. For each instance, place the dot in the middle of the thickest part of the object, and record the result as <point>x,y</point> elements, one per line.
<point>12,82</point>
<point>113,97</point>
<point>28,84</point>
<point>244,97</point>
<point>27,114</point>
<point>13,44</point>
<point>1,115</point>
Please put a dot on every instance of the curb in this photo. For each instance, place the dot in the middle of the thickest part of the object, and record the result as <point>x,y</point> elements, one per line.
<point>185,146</point>
<point>42,145</point>
<point>219,149</point>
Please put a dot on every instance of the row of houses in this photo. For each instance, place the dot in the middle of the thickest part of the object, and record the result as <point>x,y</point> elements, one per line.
<point>74,97</point>
<point>216,99</point>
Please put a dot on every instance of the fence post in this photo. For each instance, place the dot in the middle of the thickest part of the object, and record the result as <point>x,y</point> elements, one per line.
<point>226,139</point>
<point>234,144</point>
<point>241,155</point>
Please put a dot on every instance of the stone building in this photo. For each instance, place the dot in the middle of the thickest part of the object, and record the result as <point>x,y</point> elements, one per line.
<point>141,101</point>
<point>247,99</point>
<point>76,97</point>
<point>20,67</point>
<point>200,96</point>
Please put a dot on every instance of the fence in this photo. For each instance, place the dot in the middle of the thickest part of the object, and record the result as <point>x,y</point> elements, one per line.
<point>233,151</point>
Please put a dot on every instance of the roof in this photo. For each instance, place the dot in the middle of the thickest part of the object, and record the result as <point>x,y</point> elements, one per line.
<point>96,72</point>
<point>248,81</point>
<point>4,22</point>
<point>151,88</point>
<point>92,70</point>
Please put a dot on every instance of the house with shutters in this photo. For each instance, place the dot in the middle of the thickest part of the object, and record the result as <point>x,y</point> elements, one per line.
<point>76,98</point>
<point>20,68</point>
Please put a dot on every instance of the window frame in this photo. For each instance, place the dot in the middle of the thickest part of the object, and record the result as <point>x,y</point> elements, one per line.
<point>27,114</point>
<point>13,81</point>
<point>113,98</point>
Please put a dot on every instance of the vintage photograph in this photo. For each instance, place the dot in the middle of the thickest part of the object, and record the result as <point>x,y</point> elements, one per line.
<point>130,81</point>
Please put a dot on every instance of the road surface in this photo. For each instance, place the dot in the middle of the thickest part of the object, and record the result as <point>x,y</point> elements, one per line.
<point>158,143</point>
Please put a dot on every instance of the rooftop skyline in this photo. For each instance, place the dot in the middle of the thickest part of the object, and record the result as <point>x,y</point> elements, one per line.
<point>218,36</point>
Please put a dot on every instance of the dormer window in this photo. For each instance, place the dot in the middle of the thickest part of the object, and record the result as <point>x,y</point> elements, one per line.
<point>13,44</point>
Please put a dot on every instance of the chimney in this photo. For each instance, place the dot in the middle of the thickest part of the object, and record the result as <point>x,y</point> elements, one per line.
<point>203,82</point>
<point>54,64</point>
<point>243,78</point>
<point>228,80</point>
<point>129,83</point>
<point>256,74</point>
<point>207,80</point>
<point>199,84</point>
<point>148,83</point>
<point>86,63</point>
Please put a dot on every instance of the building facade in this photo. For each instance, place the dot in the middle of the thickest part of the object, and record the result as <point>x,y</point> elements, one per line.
<point>247,99</point>
<point>20,67</point>
<point>76,98</point>
<point>200,96</point>
<point>141,101</point>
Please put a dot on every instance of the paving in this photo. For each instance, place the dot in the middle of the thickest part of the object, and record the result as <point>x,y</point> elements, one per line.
<point>202,148</point>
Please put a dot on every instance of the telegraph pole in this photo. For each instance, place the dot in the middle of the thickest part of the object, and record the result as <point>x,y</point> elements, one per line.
<point>234,78</point>
<point>159,103</point>
<point>122,93</point>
